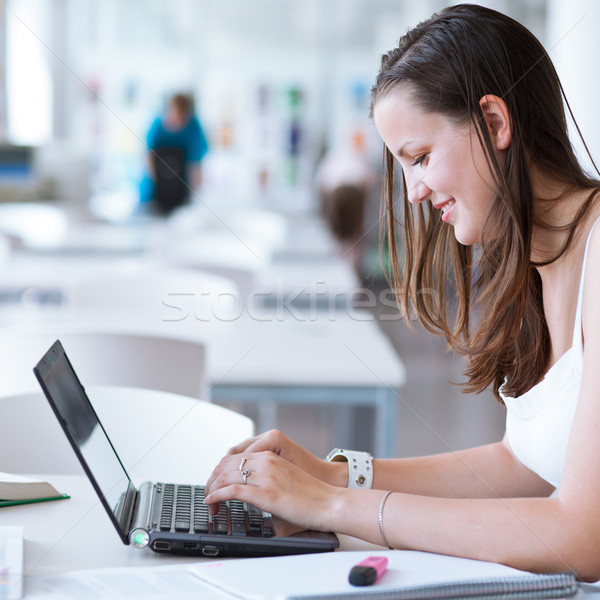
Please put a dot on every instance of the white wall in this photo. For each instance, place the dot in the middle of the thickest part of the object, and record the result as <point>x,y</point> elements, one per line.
<point>574,46</point>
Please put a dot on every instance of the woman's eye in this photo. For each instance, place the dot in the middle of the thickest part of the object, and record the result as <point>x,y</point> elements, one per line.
<point>420,160</point>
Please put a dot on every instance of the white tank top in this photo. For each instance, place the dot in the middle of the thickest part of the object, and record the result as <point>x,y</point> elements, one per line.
<point>538,422</point>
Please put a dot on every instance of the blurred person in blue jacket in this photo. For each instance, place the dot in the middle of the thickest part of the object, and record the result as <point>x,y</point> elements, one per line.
<point>176,146</point>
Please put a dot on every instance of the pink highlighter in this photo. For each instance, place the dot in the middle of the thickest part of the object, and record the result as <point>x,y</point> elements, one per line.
<point>368,571</point>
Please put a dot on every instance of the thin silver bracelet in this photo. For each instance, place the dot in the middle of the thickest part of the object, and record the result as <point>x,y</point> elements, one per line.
<point>384,539</point>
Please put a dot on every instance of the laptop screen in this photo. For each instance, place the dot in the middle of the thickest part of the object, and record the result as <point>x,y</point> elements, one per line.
<point>85,432</point>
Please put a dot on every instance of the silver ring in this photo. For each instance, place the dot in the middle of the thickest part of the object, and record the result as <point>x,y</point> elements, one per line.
<point>251,440</point>
<point>245,474</point>
<point>242,462</point>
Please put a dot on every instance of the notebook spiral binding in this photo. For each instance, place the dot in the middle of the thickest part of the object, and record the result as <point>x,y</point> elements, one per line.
<point>563,585</point>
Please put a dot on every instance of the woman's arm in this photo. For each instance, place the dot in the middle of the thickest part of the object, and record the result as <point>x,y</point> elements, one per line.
<point>554,534</point>
<point>482,472</point>
<point>489,471</point>
<point>561,533</point>
<point>537,534</point>
<point>455,503</point>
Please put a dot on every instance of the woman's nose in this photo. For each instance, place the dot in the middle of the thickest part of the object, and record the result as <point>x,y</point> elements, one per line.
<point>417,192</point>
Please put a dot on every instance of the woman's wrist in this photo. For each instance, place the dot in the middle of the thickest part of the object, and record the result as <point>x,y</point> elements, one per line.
<point>338,474</point>
<point>334,473</point>
<point>356,513</point>
<point>359,467</point>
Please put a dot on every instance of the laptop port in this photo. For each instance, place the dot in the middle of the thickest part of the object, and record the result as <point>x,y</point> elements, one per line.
<point>210,551</point>
<point>162,546</point>
<point>189,545</point>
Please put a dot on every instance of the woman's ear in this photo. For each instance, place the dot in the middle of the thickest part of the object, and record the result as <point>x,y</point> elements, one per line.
<point>495,114</point>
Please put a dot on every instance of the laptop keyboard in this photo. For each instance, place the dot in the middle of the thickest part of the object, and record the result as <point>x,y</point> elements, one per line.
<point>183,510</point>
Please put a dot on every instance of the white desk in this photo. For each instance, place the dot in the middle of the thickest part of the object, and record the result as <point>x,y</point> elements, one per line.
<point>342,362</point>
<point>270,359</point>
<point>75,534</point>
<point>321,358</point>
<point>308,238</point>
<point>261,357</point>
<point>325,284</point>
<point>72,534</point>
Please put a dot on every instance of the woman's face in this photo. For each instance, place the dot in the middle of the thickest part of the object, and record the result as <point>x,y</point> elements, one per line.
<point>442,161</point>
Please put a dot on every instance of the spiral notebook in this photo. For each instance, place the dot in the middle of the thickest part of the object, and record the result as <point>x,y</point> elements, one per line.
<point>410,576</point>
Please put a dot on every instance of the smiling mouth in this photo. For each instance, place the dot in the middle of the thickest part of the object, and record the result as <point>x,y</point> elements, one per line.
<point>447,209</point>
<point>446,206</point>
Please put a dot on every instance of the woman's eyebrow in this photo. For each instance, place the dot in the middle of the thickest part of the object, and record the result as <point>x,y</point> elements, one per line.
<point>401,151</point>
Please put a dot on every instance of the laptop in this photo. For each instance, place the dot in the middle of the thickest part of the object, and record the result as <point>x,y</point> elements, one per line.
<point>165,517</point>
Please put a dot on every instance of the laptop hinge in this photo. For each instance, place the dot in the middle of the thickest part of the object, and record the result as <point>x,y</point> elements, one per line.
<point>140,516</point>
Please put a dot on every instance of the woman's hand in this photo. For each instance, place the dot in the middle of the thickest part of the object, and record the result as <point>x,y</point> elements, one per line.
<point>276,442</point>
<point>276,485</point>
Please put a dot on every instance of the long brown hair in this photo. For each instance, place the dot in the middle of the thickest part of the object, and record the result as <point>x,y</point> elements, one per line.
<point>450,62</point>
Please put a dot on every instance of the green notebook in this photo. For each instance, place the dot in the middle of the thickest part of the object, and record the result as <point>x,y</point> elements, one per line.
<point>16,489</point>
<point>32,500</point>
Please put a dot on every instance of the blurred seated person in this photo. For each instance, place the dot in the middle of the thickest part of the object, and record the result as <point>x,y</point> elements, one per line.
<point>345,181</point>
<point>176,146</point>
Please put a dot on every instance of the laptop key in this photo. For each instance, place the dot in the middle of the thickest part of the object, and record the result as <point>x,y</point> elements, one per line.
<point>201,522</point>
<point>238,528</point>
<point>201,527</point>
<point>255,511</point>
<point>220,527</point>
<point>182,525</point>
<point>267,531</point>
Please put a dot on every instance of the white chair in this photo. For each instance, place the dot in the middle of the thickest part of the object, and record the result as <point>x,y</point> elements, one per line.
<point>106,358</point>
<point>158,436</point>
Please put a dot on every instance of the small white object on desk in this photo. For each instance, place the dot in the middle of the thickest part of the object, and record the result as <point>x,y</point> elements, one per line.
<point>11,562</point>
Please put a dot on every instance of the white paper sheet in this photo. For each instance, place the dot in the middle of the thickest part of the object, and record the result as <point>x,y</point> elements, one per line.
<point>11,562</point>
<point>172,582</point>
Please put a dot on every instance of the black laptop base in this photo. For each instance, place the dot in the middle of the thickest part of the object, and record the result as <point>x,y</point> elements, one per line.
<point>212,546</point>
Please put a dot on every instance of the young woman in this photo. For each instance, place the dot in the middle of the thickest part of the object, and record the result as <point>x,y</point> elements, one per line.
<point>497,213</point>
